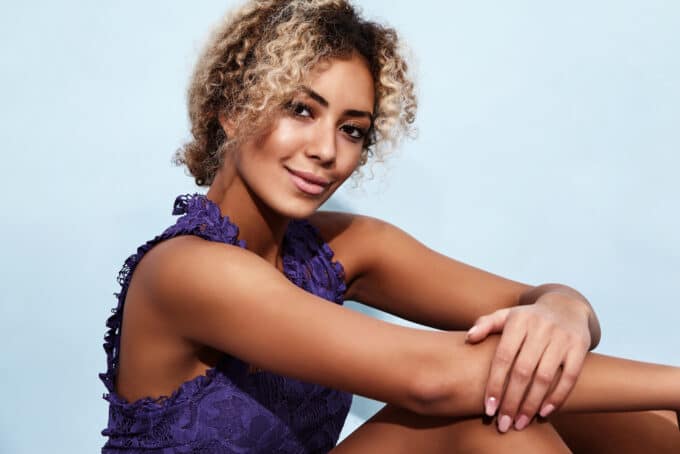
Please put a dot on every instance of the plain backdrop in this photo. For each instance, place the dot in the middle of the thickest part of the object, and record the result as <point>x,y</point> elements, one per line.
<point>548,152</point>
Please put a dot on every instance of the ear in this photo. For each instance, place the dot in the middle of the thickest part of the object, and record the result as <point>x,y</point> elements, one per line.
<point>227,125</point>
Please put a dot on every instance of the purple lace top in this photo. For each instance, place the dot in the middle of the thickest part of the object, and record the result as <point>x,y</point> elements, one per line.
<point>231,409</point>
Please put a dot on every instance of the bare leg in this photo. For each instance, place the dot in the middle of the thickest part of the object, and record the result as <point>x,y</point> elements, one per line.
<point>619,433</point>
<point>394,430</point>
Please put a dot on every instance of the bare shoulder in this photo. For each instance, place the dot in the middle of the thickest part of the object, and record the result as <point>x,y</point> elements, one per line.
<point>173,267</point>
<point>336,225</point>
<point>349,235</point>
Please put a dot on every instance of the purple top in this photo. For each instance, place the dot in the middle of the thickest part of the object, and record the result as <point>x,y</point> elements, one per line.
<point>231,409</point>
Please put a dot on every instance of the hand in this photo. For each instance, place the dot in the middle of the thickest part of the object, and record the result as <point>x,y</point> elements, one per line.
<point>537,341</point>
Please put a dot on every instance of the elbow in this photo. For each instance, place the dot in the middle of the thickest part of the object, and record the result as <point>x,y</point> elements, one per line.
<point>434,393</point>
<point>453,384</point>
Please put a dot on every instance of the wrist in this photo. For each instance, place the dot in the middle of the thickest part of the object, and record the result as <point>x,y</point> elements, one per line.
<point>577,302</point>
<point>567,298</point>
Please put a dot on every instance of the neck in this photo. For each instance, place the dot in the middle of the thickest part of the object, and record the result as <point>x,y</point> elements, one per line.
<point>261,228</point>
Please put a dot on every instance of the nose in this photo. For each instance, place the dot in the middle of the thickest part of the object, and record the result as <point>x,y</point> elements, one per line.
<point>323,147</point>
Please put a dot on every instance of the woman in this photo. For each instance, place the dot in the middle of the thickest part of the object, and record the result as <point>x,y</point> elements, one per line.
<point>229,335</point>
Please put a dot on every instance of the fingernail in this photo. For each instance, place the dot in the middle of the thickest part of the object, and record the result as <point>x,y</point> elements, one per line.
<point>491,406</point>
<point>504,423</point>
<point>545,411</point>
<point>521,422</point>
<point>471,332</point>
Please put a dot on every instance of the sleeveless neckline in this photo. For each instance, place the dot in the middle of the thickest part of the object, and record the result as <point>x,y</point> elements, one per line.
<point>206,219</point>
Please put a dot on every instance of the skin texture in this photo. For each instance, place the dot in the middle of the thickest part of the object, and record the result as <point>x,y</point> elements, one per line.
<point>191,299</point>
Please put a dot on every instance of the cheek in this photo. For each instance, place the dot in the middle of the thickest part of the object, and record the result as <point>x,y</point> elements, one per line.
<point>285,137</point>
<point>280,141</point>
<point>349,160</point>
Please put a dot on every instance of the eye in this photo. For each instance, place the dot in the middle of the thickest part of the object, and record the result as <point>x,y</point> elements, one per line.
<point>300,109</point>
<point>354,132</point>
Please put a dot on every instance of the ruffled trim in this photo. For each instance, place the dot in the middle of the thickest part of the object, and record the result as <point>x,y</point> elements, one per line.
<point>203,218</point>
<point>186,391</point>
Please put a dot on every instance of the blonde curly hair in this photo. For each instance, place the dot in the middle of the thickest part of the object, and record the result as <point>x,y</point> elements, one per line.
<point>261,53</point>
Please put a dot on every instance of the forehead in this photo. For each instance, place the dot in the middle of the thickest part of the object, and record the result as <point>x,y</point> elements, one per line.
<point>345,83</point>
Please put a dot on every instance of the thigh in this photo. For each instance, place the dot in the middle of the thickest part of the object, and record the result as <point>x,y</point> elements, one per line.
<point>395,430</point>
<point>620,433</point>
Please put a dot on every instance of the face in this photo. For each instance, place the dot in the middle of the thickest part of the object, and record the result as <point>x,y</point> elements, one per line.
<point>315,144</point>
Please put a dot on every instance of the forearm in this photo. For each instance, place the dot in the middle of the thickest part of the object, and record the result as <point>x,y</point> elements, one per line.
<point>605,384</point>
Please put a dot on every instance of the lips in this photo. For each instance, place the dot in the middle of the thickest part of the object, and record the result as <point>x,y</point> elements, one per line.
<point>308,182</point>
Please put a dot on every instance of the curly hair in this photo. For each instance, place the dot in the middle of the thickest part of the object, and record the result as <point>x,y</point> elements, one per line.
<point>261,53</point>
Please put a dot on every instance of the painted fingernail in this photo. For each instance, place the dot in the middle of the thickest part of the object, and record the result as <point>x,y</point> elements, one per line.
<point>491,406</point>
<point>521,422</point>
<point>545,411</point>
<point>504,423</point>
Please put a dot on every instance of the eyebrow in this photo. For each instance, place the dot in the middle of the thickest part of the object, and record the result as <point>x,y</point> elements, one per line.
<point>321,100</point>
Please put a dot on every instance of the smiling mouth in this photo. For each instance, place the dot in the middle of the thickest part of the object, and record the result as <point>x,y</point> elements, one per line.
<point>308,183</point>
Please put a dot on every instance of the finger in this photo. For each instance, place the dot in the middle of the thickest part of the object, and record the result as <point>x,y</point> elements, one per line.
<point>547,370</point>
<point>572,368</point>
<point>520,377</point>
<point>487,324</point>
<point>505,354</point>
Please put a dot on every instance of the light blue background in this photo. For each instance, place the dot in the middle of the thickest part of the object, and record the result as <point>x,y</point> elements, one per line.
<point>548,152</point>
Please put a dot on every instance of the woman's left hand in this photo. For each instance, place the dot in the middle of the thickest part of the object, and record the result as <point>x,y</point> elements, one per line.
<point>537,341</point>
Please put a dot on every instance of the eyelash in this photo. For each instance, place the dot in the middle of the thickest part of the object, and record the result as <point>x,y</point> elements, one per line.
<point>295,107</point>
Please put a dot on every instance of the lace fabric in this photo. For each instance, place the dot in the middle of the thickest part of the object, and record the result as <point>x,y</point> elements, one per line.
<point>230,409</point>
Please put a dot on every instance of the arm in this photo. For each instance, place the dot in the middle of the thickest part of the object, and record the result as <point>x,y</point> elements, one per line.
<point>545,327</point>
<point>605,384</point>
<point>232,300</point>
<point>227,298</point>
<point>388,269</point>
